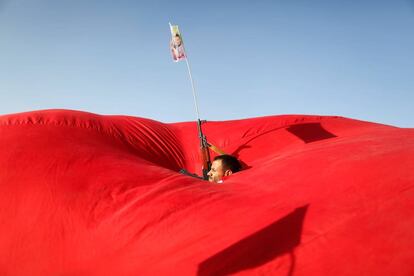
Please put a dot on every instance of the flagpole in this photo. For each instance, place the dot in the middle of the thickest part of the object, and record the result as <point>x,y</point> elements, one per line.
<point>204,146</point>
<point>205,154</point>
<point>192,86</point>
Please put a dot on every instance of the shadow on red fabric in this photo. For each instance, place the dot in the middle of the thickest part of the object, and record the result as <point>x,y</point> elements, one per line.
<point>310,132</point>
<point>280,237</point>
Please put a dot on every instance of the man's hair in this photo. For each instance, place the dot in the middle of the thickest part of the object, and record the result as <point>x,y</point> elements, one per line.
<point>229,162</point>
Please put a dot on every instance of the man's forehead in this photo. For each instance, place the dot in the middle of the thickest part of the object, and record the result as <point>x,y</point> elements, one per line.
<point>216,163</point>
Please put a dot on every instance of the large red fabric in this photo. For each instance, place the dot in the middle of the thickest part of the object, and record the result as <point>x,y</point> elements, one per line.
<point>84,194</point>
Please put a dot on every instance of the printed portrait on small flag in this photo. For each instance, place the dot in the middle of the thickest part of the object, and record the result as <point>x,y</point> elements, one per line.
<point>176,44</point>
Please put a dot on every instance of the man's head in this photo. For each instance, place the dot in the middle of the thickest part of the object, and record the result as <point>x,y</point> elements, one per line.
<point>177,40</point>
<point>223,165</point>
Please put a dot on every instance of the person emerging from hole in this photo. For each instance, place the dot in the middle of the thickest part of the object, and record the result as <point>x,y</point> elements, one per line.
<point>223,166</point>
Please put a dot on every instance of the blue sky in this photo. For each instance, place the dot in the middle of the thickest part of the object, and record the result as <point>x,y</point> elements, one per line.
<point>249,58</point>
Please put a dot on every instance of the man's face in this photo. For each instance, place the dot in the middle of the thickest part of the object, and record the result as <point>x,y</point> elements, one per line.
<point>216,172</point>
<point>177,40</point>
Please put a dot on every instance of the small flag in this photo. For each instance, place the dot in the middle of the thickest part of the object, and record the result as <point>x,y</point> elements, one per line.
<point>177,44</point>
